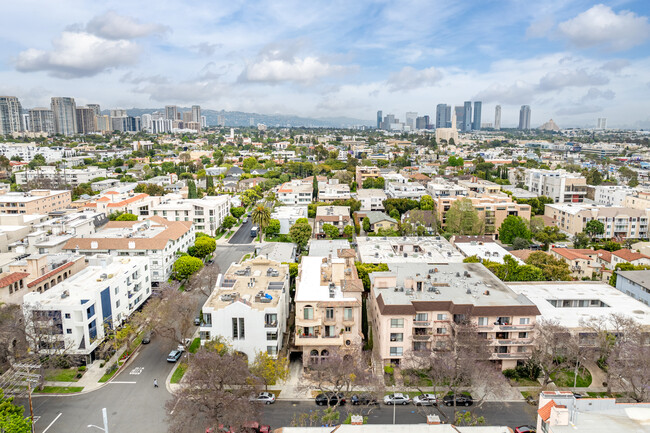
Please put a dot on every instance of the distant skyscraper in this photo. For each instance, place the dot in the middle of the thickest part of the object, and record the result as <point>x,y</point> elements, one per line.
<point>221,120</point>
<point>65,115</point>
<point>459,110</point>
<point>441,116</point>
<point>171,112</point>
<point>467,119</point>
<point>41,120</point>
<point>147,122</point>
<point>118,112</point>
<point>602,123</point>
<point>187,117</point>
<point>196,113</point>
<point>96,109</point>
<point>411,116</point>
<point>497,117</point>
<point>524,117</point>
<point>11,111</point>
<point>476,124</point>
<point>380,115</point>
<point>86,120</point>
<point>204,121</point>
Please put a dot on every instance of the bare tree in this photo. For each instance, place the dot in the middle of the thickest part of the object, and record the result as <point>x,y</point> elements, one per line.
<point>215,392</point>
<point>553,348</point>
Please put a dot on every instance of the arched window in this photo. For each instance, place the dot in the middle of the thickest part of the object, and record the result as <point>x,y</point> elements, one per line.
<point>308,312</point>
<point>324,354</point>
<point>313,356</point>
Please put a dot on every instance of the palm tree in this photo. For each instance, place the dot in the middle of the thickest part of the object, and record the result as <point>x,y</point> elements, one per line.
<point>261,216</point>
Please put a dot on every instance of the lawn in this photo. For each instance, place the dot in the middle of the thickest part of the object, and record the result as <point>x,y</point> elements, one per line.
<point>565,378</point>
<point>219,236</point>
<point>422,379</point>
<point>106,377</point>
<point>278,238</point>
<point>603,395</point>
<point>523,381</point>
<point>59,389</point>
<point>230,233</point>
<point>246,257</point>
<point>532,394</point>
<point>62,375</point>
<point>196,343</point>
<point>178,373</point>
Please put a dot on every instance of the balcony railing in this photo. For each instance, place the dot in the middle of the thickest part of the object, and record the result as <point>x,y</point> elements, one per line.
<point>511,341</point>
<point>421,337</point>
<point>271,324</point>
<point>421,323</point>
<point>515,355</point>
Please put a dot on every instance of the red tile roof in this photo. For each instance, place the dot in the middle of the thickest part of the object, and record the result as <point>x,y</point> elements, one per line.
<point>569,253</point>
<point>629,255</point>
<point>545,411</point>
<point>49,274</point>
<point>12,278</point>
<point>604,255</point>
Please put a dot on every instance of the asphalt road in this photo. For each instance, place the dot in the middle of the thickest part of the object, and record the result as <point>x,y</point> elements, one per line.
<point>243,235</point>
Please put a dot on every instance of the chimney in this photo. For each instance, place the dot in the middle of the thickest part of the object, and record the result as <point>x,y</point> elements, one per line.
<point>433,419</point>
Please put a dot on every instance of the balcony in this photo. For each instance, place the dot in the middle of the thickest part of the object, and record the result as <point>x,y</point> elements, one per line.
<point>315,340</point>
<point>421,323</point>
<point>515,355</point>
<point>421,337</point>
<point>271,324</point>
<point>510,341</point>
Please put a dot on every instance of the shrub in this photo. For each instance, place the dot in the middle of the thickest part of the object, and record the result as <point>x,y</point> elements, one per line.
<point>510,373</point>
<point>82,368</point>
<point>101,365</point>
<point>389,369</point>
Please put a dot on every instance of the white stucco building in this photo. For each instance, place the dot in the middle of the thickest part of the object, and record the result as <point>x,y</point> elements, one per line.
<point>206,213</point>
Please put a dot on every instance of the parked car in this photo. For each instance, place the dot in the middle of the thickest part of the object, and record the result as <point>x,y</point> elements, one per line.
<point>425,400</point>
<point>245,220</point>
<point>461,400</point>
<point>197,321</point>
<point>146,338</point>
<point>264,397</point>
<point>397,398</point>
<point>357,399</point>
<point>525,429</point>
<point>330,398</point>
<point>174,355</point>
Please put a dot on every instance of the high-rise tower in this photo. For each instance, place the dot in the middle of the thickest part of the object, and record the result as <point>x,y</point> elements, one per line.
<point>476,124</point>
<point>380,116</point>
<point>64,111</point>
<point>467,116</point>
<point>524,117</point>
<point>497,117</point>
<point>11,119</point>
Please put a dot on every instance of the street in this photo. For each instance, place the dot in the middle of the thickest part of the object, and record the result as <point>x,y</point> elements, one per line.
<point>243,235</point>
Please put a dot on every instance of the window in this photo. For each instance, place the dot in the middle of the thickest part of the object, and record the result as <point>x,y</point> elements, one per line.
<point>90,311</point>
<point>523,335</point>
<point>441,331</point>
<point>238,328</point>
<point>207,319</point>
<point>396,323</point>
<point>329,313</point>
<point>68,331</point>
<point>117,290</point>
<point>330,331</point>
<point>396,351</point>
<point>272,350</point>
<point>348,329</point>
<point>347,313</point>
<point>442,317</point>
<point>421,317</point>
<point>309,312</point>
<point>482,321</point>
<point>396,337</point>
<point>271,336</point>
<point>117,304</point>
<point>524,321</point>
<point>67,315</point>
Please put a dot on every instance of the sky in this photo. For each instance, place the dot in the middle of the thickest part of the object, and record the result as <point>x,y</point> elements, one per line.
<point>573,61</point>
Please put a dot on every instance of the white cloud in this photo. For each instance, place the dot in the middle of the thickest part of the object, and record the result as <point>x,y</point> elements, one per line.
<point>575,110</point>
<point>410,78</point>
<point>601,26</point>
<point>615,65</point>
<point>559,80</point>
<point>540,28</point>
<point>112,25</point>
<point>299,70</point>
<point>595,93</point>
<point>75,55</point>
<point>519,92</point>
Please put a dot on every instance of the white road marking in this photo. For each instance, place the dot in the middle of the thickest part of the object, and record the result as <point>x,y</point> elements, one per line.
<point>174,408</point>
<point>137,370</point>
<point>48,427</point>
<point>117,381</point>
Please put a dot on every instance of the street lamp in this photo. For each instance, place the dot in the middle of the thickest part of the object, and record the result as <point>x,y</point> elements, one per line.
<point>105,429</point>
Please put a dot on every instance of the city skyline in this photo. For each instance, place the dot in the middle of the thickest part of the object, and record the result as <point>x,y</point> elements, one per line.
<point>574,62</point>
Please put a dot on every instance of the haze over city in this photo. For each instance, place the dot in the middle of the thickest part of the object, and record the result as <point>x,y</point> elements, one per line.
<point>571,61</point>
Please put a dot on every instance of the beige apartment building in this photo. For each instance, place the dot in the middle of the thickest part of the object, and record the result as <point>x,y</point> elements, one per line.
<point>619,222</point>
<point>364,173</point>
<point>582,262</point>
<point>36,201</point>
<point>338,216</point>
<point>414,307</point>
<point>493,209</point>
<point>328,307</point>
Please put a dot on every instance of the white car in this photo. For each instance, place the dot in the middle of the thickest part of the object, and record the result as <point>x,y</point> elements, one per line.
<point>425,400</point>
<point>397,398</point>
<point>264,397</point>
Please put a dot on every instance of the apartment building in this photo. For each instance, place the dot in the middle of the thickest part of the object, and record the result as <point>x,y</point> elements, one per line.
<point>206,213</point>
<point>295,193</point>
<point>328,192</point>
<point>156,238</point>
<point>27,151</point>
<point>583,263</point>
<point>338,216</point>
<point>492,209</point>
<point>81,223</point>
<point>363,172</point>
<point>441,188</point>
<point>478,187</point>
<point>635,284</point>
<point>415,307</point>
<point>619,222</point>
<point>561,186</point>
<point>76,312</point>
<point>410,190</point>
<point>36,201</point>
<point>69,176</point>
<point>637,200</point>
<point>288,215</point>
<point>612,195</point>
<point>249,307</point>
<point>328,307</point>
<point>371,199</point>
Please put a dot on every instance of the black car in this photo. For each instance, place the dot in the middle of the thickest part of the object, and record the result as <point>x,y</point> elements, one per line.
<point>363,399</point>
<point>330,398</point>
<point>461,400</point>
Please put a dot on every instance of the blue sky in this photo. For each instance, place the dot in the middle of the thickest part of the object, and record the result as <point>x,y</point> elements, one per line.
<point>573,61</point>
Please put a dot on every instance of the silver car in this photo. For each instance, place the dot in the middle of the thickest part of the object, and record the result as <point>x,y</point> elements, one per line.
<point>397,398</point>
<point>425,400</point>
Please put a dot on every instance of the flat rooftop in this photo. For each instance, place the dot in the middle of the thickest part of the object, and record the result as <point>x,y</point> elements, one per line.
<point>461,283</point>
<point>312,288</point>
<point>427,249</point>
<point>485,250</point>
<point>268,278</point>
<point>614,301</point>
<point>324,247</point>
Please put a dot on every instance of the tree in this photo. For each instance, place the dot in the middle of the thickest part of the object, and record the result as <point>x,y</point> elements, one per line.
<point>365,269</point>
<point>11,417</point>
<point>228,222</point>
<point>520,244</point>
<point>455,161</point>
<point>552,344</point>
<point>269,370</point>
<point>594,177</point>
<point>315,186</point>
<point>203,246</point>
<point>426,202</point>
<point>237,212</point>
<point>394,213</point>
<point>580,240</point>
<point>300,233</point>
<point>514,227</point>
<point>403,205</point>
<point>37,161</point>
<point>127,217</point>
<point>150,189</point>
<point>376,183</point>
<point>594,228</point>
<point>552,268</point>
<point>217,392</point>
<point>626,266</point>
<point>366,224</point>
<point>348,231</point>
<point>331,231</point>
<point>273,228</point>
<point>548,235</point>
<point>462,219</point>
<point>261,216</point>
<point>185,266</point>
<point>249,164</point>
